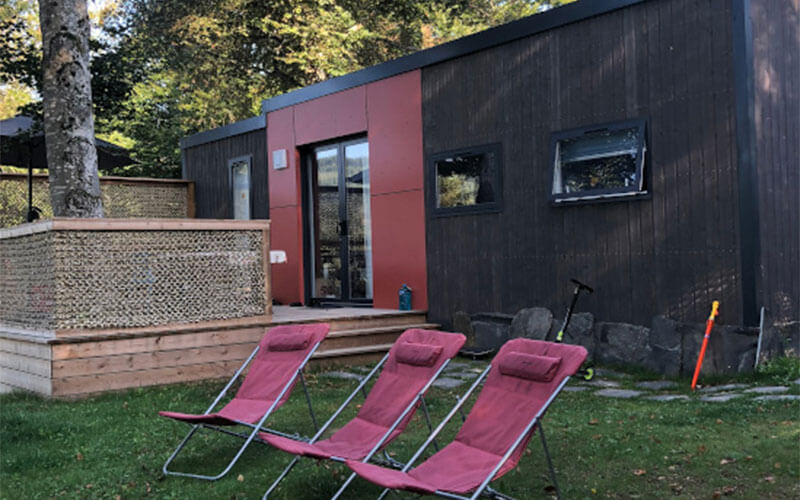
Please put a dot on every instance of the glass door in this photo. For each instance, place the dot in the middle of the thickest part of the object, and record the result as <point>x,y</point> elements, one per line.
<point>340,223</point>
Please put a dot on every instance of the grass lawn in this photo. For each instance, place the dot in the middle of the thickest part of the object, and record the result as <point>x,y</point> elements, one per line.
<point>113,446</point>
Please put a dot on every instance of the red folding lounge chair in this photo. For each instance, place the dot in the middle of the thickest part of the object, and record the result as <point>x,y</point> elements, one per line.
<point>523,379</point>
<point>277,363</point>
<point>409,369</point>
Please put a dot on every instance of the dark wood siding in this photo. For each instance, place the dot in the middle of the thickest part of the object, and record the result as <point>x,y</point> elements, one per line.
<point>776,56</point>
<point>207,165</point>
<point>668,61</point>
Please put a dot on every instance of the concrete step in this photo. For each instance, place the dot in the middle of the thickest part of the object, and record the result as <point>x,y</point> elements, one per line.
<point>369,336</point>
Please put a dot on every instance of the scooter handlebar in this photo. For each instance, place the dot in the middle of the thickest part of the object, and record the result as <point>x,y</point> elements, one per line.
<point>582,286</point>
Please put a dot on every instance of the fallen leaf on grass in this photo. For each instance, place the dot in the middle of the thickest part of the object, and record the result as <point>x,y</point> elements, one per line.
<point>597,436</point>
<point>639,472</point>
<point>118,497</point>
<point>240,478</point>
<point>719,421</point>
<point>777,465</point>
<point>89,486</point>
<point>726,461</point>
<point>728,490</point>
<point>79,456</point>
<point>594,421</point>
<point>770,479</point>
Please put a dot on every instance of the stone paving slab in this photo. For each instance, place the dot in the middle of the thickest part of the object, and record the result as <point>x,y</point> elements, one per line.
<point>603,383</point>
<point>778,397</point>
<point>668,397</point>
<point>618,393</point>
<point>456,365</point>
<point>448,383</point>
<point>343,375</point>
<point>656,385</point>
<point>575,388</point>
<point>775,389</point>
<point>467,375</point>
<point>720,388</point>
<point>719,398</point>
<point>797,382</point>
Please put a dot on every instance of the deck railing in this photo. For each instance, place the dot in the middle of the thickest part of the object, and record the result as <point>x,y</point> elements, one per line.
<point>62,277</point>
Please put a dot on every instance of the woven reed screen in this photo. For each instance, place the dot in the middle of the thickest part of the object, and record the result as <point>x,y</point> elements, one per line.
<point>122,198</point>
<point>98,279</point>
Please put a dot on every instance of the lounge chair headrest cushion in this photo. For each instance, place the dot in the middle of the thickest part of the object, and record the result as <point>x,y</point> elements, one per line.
<point>412,353</point>
<point>530,366</point>
<point>289,341</point>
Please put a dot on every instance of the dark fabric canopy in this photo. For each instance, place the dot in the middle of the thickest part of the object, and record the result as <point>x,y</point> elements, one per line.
<point>21,144</point>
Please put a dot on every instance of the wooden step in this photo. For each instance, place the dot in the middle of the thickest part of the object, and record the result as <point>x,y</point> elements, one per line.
<point>378,321</point>
<point>351,355</point>
<point>368,336</point>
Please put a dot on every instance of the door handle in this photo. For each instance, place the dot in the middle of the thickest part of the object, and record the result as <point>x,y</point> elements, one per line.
<point>343,228</point>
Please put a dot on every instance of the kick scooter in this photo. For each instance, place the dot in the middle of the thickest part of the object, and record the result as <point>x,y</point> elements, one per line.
<point>587,372</point>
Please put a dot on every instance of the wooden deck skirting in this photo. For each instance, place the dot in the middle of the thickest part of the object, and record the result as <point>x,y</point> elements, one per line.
<point>90,362</point>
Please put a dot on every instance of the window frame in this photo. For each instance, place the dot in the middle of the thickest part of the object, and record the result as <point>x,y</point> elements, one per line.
<point>479,208</point>
<point>231,163</point>
<point>605,194</point>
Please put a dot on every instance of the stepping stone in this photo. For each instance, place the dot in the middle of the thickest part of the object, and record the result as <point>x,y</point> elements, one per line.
<point>343,375</point>
<point>603,383</point>
<point>668,397</point>
<point>797,382</point>
<point>455,365</point>
<point>719,398</point>
<point>719,388</point>
<point>656,385</point>
<point>463,374</point>
<point>575,388</point>
<point>618,393</point>
<point>602,372</point>
<point>777,389</point>
<point>448,383</point>
<point>780,397</point>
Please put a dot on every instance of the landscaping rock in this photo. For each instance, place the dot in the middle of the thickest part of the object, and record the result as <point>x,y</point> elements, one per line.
<point>731,349</point>
<point>448,383</point>
<point>781,397</point>
<point>462,323</point>
<point>768,390</point>
<point>719,398</point>
<point>668,397</point>
<point>618,393</point>
<point>491,329</point>
<point>665,347</point>
<point>656,385</point>
<point>623,343</point>
<point>532,323</point>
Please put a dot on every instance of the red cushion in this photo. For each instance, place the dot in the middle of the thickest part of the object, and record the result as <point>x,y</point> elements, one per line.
<point>412,353</point>
<point>530,366</point>
<point>289,341</point>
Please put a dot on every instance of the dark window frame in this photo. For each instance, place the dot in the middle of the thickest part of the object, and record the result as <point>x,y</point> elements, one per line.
<point>495,206</point>
<point>608,194</point>
<point>231,162</point>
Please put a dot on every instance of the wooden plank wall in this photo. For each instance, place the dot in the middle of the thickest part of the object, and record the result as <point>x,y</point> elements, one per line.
<point>776,59</point>
<point>25,365</point>
<point>668,61</point>
<point>207,166</point>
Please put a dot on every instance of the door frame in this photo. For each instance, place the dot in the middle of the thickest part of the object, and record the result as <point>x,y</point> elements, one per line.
<point>307,161</point>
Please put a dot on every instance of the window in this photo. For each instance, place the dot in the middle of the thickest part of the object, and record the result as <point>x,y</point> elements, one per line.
<point>240,185</point>
<point>599,162</point>
<point>467,181</point>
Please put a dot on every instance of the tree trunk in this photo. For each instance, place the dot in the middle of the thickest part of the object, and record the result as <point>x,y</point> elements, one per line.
<point>68,121</point>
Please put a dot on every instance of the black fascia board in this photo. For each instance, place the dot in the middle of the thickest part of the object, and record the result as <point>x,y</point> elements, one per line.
<point>237,128</point>
<point>499,35</point>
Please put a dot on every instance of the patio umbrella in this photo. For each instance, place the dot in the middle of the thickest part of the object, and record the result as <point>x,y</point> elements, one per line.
<point>23,146</point>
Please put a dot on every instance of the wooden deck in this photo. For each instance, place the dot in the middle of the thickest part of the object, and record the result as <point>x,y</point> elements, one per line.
<point>87,362</point>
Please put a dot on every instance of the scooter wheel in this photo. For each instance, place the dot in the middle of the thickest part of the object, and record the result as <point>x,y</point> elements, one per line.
<point>588,374</point>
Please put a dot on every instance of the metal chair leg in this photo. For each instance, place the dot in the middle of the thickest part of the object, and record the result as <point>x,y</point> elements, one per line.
<point>280,478</point>
<point>549,461</point>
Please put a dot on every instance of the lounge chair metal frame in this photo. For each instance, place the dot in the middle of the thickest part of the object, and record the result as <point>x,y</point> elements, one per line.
<point>483,489</point>
<point>256,428</point>
<point>417,400</point>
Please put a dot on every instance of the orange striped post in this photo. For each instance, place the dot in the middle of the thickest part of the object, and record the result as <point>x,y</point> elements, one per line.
<point>709,324</point>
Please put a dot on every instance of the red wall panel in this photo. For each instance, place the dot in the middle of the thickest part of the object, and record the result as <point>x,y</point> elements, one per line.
<point>284,185</point>
<point>395,133</point>
<point>336,115</point>
<point>287,235</point>
<point>398,248</point>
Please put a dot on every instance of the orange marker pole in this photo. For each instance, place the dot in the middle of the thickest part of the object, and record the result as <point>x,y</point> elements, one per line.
<point>709,324</point>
